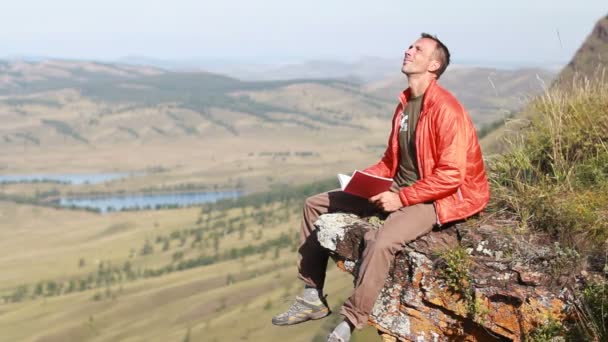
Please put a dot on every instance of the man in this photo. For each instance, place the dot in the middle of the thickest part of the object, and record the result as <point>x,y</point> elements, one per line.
<point>434,158</point>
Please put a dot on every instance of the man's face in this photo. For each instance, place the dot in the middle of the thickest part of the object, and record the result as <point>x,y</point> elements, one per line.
<point>418,57</point>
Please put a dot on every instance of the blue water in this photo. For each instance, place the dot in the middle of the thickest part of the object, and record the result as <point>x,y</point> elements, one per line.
<point>147,201</point>
<point>68,178</point>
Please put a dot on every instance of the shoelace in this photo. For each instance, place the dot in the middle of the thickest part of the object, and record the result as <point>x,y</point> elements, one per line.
<point>294,308</point>
<point>298,306</point>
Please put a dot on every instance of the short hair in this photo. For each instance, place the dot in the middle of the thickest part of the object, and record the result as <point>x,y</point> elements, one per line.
<point>442,54</point>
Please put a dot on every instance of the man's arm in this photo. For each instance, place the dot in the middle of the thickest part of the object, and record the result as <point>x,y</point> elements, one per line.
<point>383,167</point>
<point>450,168</point>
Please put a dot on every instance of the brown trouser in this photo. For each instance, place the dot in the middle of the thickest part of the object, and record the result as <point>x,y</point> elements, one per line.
<point>401,227</point>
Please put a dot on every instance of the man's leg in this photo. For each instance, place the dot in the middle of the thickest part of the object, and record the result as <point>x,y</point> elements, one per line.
<point>312,263</point>
<point>401,227</point>
<point>312,257</point>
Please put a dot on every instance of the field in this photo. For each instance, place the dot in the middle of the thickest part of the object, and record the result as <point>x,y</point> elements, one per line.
<point>152,276</point>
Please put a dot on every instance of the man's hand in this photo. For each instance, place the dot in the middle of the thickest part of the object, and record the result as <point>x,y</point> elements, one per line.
<point>387,201</point>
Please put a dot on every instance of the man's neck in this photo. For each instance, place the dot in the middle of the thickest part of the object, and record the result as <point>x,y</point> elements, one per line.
<point>418,84</point>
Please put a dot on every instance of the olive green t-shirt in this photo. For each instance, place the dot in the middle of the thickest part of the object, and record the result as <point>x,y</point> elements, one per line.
<point>407,172</point>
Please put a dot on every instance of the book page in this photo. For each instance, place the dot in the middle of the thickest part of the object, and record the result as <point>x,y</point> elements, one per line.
<point>344,179</point>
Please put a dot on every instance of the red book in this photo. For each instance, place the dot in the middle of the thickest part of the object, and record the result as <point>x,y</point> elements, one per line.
<point>363,184</point>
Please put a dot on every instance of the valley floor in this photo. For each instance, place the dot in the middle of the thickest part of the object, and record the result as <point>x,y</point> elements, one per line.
<point>163,275</point>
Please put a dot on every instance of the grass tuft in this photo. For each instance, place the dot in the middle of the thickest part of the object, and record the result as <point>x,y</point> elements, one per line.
<point>554,178</point>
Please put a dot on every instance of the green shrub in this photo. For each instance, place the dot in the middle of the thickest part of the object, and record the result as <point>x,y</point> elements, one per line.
<point>454,267</point>
<point>551,331</point>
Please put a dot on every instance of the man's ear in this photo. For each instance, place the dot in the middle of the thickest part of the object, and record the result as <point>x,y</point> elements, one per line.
<point>434,65</point>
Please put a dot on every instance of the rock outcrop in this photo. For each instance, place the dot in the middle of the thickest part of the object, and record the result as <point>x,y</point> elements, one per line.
<point>467,282</point>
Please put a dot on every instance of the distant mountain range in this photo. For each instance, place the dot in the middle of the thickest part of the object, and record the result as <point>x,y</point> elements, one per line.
<point>91,102</point>
<point>364,69</point>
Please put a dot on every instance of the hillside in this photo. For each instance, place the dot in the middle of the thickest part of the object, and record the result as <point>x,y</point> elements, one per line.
<point>591,59</point>
<point>93,103</point>
<point>589,63</point>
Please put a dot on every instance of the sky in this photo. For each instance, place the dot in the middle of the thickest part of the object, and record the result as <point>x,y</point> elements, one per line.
<point>525,32</point>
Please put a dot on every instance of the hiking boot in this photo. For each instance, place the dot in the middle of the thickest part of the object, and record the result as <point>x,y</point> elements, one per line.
<point>302,311</point>
<point>333,337</point>
<point>342,332</point>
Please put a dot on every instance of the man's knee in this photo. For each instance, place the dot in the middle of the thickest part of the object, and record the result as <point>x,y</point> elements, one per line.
<point>308,202</point>
<point>381,243</point>
<point>314,201</point>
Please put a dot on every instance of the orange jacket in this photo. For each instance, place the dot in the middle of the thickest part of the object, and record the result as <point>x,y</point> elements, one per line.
<point>450,165</point>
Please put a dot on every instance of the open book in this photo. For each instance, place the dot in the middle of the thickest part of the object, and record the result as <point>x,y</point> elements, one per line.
<point>363,184</point>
